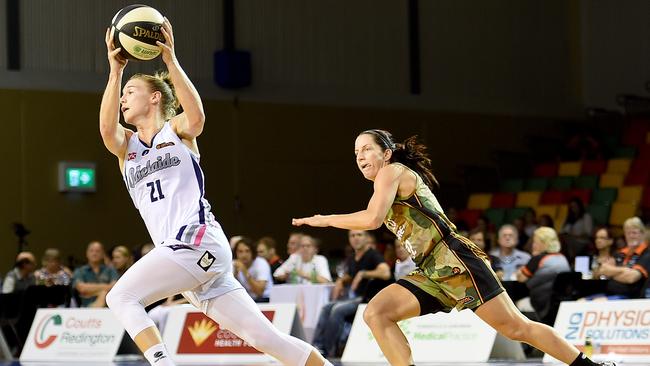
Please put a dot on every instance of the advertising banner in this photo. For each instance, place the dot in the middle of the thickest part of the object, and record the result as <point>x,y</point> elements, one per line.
<point>192,337</point>
<point>618,330</point>
<point>73,335</point>
<point>438,337</point>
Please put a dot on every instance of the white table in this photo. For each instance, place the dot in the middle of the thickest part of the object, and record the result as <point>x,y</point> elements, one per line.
<point>309,298</point>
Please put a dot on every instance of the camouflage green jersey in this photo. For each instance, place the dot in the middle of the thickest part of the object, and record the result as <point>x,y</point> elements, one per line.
<point>449,267</point>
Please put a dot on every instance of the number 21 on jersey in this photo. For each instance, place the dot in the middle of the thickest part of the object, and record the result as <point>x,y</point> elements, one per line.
<point>156,192</point>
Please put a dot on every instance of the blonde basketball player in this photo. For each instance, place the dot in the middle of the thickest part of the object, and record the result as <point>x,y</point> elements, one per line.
<point>160,166</point>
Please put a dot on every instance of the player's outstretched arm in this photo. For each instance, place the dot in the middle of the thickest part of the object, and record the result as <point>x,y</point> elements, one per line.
<point>189,124</point>
<point>386,185</point>
<point>114,135</point>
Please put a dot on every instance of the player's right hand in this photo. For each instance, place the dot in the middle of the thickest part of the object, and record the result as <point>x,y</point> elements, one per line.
<point>115,60</point>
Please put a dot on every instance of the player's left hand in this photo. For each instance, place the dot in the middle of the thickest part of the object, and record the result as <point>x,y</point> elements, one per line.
<point>316,221</point>
<point>168,53</point>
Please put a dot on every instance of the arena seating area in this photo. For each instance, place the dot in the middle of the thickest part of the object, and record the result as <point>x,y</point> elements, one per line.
<point>612,189</point>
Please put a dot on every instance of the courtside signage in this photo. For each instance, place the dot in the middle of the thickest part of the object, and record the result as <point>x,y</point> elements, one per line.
<point>192,337</point>
<point>454,337</point>
<point>74,335</point>
<point>619,330</point>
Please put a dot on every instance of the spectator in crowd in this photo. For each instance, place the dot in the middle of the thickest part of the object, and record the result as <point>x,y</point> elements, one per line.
<point>404,263</point>
<point>373,243</point>
<point>540,272</point>
<point>22,275</point>
<point>121,259</point>
<point>530,222</point>
<point>146,248</point>
<point>95,279</point>
<point>266,249</point>
<point>478,237</point>
<point>366,264</point>
<point>234,240</point>
<point>545,220</point>
<point>253,272</point>
<point>628,276</point>
<point>140,250</point>
<point>452,215</point>
<point>390,255</point>
<point>605,250</point>
<point>578,223</point>
<point>510,257</point>
<point>305,266</point>
<point>522,237</point>
<point>293,243</point>
<point>52,273</point>
<point>483,224</point>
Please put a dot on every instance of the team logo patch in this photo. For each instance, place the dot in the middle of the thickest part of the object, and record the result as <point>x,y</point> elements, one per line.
<point>164,144</point>
<point>145,152</point>
<point>206,260</point>
<point>466,299</point>
<point>131,156</point>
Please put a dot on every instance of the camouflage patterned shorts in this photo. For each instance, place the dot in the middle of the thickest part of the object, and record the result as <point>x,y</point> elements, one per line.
<point>457,273</point>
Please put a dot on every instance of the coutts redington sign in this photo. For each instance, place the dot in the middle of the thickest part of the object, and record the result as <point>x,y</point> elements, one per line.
<point>73,335</point>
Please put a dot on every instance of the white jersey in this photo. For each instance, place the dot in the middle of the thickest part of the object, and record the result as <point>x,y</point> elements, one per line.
<point>166,184</point>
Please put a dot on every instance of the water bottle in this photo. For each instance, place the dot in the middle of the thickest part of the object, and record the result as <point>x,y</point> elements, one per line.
<point>588,349</point>
<point>314,275</point>
<point>293,276</point>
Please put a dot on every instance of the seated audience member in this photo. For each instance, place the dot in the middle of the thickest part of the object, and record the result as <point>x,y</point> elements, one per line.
<point>629,275</point>
<point>305,266</point>
<point>530,222</point>
<point>266,249</point>
<point>95,279</point>
<point>545,221</point>
<point>146,248</point>
<point>605,250</point>
<point>540,272</point>
<point>390,255</point>
<point>253,272</point>
<point>510,257</point>
<point>404,263</point>
<point>366,264</point>
<point>478,237</point>
<point>293,243</point>
<point>522,237</point>
<point>578,222</point>
<point>22,275</point>
<point>52,273</point>
<point>234,240</point>
<point>452,215</point>
<point>483,224</point>
<point>121,259</point>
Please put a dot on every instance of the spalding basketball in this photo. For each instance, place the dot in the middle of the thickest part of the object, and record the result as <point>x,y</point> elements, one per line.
<point>136,28</point>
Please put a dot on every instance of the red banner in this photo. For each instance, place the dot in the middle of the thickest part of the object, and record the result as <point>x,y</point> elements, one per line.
<point>203,335</point>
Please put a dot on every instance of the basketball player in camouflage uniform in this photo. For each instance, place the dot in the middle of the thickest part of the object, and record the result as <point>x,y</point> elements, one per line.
<point>452,272</point>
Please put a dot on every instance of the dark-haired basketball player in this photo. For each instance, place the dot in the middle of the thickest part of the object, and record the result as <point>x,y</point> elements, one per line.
<point>451,272</point>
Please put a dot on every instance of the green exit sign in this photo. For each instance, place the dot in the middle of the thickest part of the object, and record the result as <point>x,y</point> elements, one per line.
<point>76,177</point>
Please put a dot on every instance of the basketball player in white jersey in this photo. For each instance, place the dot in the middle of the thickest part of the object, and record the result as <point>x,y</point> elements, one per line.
<point>160,166</point>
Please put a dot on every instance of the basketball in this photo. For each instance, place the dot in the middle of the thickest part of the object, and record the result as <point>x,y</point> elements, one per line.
<point>136,28</point>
